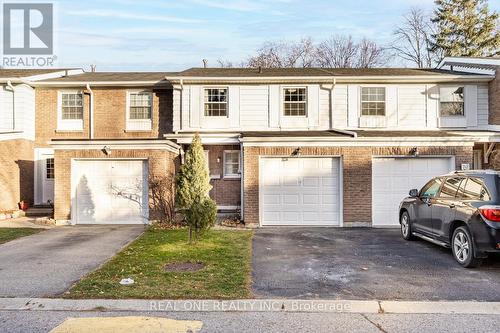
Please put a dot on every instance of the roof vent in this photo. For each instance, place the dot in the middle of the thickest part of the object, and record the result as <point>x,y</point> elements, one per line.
<point>205,63</point>
<point>92,68</point>
<point>260,69</point>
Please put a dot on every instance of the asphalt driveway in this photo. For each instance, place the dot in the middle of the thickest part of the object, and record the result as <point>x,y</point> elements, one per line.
<point>48,263</point>
<point>363,263</point>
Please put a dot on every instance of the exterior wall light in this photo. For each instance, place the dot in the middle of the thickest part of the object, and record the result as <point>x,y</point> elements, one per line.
<point>106,150</point>
<point>297,152</point>
<point>414,152</point>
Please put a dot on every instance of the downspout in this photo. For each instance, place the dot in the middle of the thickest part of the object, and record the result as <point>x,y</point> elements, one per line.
<point>91,111</point>
<point>11,87</point>
<point>242,181</point>
<point>332,101</point>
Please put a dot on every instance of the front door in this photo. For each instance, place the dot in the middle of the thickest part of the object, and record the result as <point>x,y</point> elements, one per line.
<point>44,174</point>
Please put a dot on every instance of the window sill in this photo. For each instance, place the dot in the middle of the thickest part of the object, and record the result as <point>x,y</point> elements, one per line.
<point>232,177</point>
<point>137,130</point>
<point>67,130</point>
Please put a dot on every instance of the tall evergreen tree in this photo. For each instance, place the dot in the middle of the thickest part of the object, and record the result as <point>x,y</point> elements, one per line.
<point>466,28</point>
<point>193,185</point>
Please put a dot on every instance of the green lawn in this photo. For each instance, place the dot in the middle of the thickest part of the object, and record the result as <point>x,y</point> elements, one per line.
<point>226,254</point>
<point>8,234</point>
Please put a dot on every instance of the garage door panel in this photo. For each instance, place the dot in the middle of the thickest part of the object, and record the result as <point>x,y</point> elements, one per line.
<point>110,191</point>
<point>392,178</point>
<point>308,191</point>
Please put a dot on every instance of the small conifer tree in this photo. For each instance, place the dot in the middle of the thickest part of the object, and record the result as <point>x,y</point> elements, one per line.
<point>193,185</point>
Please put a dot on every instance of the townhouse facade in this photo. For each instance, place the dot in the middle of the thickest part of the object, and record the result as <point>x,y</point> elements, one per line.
<point>308,147</point>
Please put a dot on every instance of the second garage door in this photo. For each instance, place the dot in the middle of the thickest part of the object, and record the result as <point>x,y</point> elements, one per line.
<point>109,191</point>
<point>300,191</point>
<point>394,177</point>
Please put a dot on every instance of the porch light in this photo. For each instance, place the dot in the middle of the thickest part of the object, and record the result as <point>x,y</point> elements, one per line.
<point>106,150</point>
<point>297,152</point>
<point>414,152</point>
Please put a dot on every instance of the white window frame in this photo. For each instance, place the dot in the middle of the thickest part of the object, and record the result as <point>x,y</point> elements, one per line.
<point>69,124</point>
<point>204,88</point>
<point>230,175</point>
<point>361,101</point>
<point>283,102</point>
<point>138,124</point>
<point>53,169</point>
<point>452,87</point>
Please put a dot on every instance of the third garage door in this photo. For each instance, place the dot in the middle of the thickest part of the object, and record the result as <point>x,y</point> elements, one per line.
<point>394,177</point>
<point>300,191</point>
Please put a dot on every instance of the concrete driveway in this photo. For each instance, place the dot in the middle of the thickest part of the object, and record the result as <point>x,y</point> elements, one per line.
<point>48,263</point>
<point>362,263</point>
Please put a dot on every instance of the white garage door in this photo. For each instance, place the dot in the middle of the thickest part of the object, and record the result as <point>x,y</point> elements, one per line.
<point>109,191</point>
<point>299,191</point>
<point>394,177</point>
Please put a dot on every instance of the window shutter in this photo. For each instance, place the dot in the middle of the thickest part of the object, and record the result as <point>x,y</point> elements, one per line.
<point>470,104</point>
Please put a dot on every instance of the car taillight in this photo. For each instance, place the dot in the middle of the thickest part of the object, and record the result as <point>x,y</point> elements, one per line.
<point>491,213</point>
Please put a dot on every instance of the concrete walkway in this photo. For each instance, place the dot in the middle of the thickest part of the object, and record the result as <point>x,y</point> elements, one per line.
<point>23,222</point>
<point>48,263</point>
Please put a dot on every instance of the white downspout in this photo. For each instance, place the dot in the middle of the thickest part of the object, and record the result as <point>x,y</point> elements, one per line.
<point>332,101</point>
<point>11,87</point>
<point>91,111</point>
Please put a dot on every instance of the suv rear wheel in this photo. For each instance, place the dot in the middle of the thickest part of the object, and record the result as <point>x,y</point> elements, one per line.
<point>406,231</point>
<point>463,248</point>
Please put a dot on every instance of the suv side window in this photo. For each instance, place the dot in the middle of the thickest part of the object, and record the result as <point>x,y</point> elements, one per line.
<point>431,189</point>
<point>450,187</point>
<point>474,189</point>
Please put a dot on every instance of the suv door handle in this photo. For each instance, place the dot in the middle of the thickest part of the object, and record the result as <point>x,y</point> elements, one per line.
<point>452,205</point>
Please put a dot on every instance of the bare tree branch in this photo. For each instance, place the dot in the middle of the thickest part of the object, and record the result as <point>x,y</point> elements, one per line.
<point>412,39</point>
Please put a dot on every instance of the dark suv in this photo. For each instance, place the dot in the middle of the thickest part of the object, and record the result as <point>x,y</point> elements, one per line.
<point>460,210</point>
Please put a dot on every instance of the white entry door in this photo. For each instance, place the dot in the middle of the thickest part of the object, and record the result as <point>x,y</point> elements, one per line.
<point>393,178</point>
<point>44,176</point>
<point>109,191</point>
<point>301,191</point>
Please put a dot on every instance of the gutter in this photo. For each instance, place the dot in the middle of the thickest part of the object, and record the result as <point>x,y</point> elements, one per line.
<point>343,79</point>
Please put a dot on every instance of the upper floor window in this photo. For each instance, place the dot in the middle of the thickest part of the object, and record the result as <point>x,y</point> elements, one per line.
<point>451,101</point>
<point>215,102</point>
<point>295,101</point>
<point>70,110</point>
<point>71,106</point>
<point>140,104</point>
<point>373,101</point>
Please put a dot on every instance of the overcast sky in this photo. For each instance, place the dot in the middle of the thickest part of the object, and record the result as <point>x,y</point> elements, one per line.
<point>177,34</point>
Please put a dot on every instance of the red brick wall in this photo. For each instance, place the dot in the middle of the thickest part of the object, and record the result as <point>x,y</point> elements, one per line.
<point>109,116</point>
<point>16,173</point>
<point>494,100</point>
<point>225,191</point>
<point>357,177</point>
<point>160,163</point>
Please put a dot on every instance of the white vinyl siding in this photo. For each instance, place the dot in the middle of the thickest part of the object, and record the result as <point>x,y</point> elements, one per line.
<point>260,107</point>
<point>254,106</point>
<point>411,106</point>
